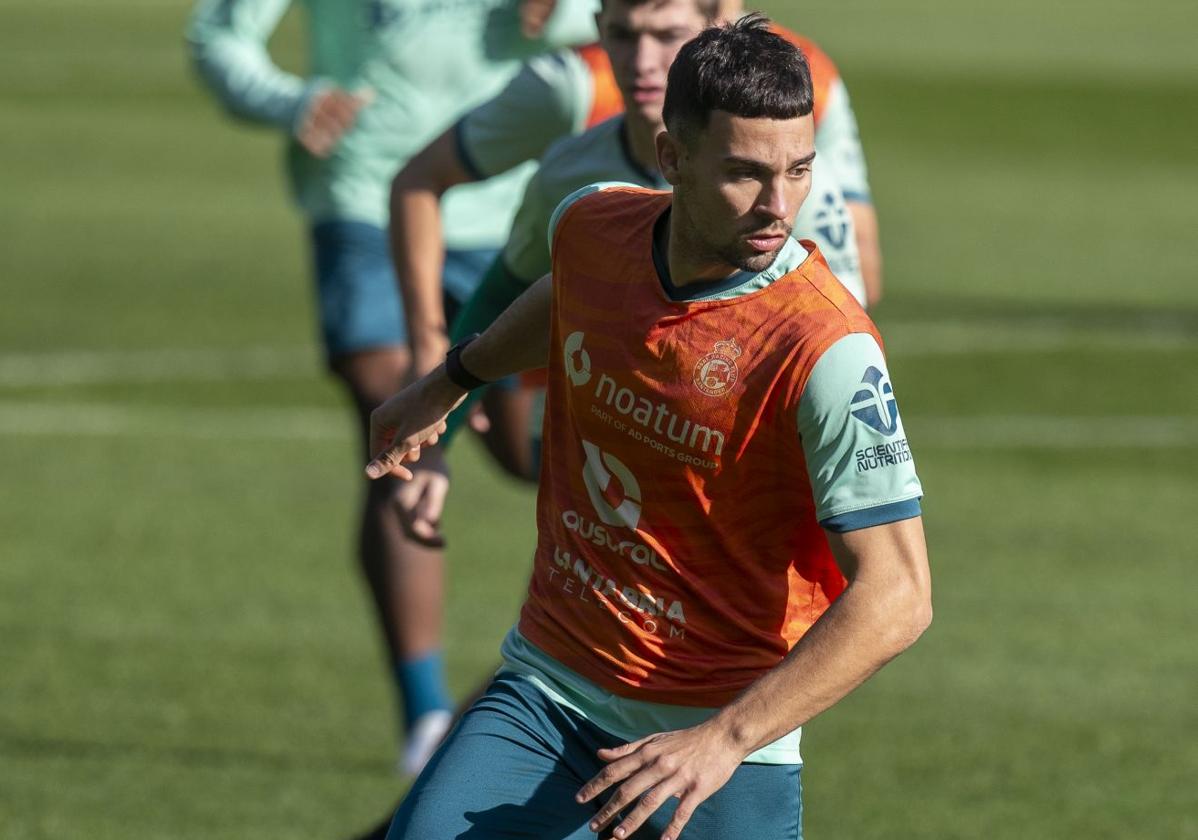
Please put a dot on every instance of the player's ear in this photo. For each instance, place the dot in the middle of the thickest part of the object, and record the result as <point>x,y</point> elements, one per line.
<point>669,156</point>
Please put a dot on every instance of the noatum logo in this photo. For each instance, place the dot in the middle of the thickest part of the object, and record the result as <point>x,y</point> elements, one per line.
<point>874,404</point>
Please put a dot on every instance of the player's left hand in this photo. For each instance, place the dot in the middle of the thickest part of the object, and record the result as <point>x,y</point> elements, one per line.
<point>420,501</point>
<point>689,764</point>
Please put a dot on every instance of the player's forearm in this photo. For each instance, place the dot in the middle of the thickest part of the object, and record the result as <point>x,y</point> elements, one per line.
<point>498,290</point>
<point>879,615</point>
<point>418,243</point>
<point>519,338</point>
<point>869,247</point>
<point>418,249</point>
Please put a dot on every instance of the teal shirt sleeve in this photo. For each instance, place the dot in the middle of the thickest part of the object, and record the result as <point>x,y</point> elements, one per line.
<point>839,142</point>
<point>526,253</point>
<point>549,98</point>
<point>858,459</point>
<point>227,39</point>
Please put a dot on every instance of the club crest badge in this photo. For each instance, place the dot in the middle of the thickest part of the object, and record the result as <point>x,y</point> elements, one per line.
<point>716,373</point>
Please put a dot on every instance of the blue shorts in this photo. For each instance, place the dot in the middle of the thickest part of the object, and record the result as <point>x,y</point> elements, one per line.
<point>512,765</point>
<point>358,297</point>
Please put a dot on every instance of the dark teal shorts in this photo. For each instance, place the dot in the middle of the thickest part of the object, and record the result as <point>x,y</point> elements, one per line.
<point>358,297</point>
<point>512,765</point>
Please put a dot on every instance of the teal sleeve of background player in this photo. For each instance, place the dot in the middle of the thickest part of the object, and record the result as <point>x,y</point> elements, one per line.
<point>497,291</point>
<point>549,98</point>
<point>838,140</point>
<point>228,39</point>
<point>858,459</point>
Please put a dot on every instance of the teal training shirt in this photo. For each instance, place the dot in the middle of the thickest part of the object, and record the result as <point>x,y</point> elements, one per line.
<point>548,99</point>
<point>427,62</point>
<point>839,143</point>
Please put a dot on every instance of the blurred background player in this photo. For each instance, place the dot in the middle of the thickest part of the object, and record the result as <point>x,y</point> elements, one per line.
<point>385,78</point>
<point>839,142</point>
<point>563,94</point>
<point>553,95</point>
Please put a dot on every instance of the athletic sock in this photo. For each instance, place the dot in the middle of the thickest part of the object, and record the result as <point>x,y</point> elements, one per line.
<point>422,686</point>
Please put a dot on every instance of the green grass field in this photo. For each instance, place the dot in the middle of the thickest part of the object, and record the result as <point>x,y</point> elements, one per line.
<point>185,650</point>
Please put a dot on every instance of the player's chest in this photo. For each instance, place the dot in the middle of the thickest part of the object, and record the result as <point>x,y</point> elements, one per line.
<point>682,389</point>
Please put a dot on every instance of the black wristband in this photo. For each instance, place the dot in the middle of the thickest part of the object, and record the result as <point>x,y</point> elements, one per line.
<point>457,372</point>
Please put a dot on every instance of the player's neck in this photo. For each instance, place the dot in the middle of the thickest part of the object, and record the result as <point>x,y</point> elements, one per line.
<point>684,255</point>
<point>641,136</point>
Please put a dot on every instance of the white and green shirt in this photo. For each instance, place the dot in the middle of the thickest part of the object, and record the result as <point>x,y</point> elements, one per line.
<point>427,62</point>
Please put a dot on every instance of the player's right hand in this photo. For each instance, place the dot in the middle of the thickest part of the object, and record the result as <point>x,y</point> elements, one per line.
<point>412,419</point>
<point>421,501</point>
<point>330,114</point>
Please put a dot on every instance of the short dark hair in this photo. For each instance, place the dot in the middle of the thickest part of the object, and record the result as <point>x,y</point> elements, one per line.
<point>742,68</point>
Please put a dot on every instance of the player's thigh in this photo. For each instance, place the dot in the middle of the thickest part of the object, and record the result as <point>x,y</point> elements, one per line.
<point>504,772</point>
<point>760,800</point>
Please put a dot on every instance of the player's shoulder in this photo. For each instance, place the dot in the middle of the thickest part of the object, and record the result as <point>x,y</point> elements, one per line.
<point>594,144</point>
<point>830,330</point>
<point>605,202</point>
<point>829,303</point>
<point>574,161</point>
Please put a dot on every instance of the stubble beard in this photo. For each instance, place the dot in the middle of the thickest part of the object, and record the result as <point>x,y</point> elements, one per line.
<point>740,254</point>
<point>736,253</point>
<point>755,262</point>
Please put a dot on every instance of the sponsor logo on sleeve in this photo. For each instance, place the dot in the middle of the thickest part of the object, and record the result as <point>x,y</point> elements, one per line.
<point>874,403</point>
<point>875,406</point>
<point>883,455</point>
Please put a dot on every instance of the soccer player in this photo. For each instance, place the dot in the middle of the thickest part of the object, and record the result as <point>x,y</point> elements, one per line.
<point>729,528</point>
<point>386,78</point>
